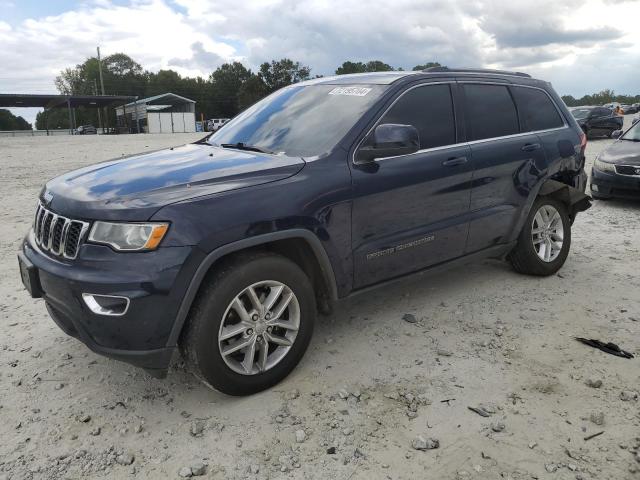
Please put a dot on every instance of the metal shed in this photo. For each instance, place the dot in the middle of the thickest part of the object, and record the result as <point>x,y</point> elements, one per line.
<point>166,113</point>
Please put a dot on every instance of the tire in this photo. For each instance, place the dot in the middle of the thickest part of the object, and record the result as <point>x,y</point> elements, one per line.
<point>526,257</point>
<point>235,374</point>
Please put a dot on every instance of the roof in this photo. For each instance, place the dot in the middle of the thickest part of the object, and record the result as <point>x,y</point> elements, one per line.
<point>371,78</point>
<point>483,71</point>
<point>168,99</point>
<point>16,100</point>
<point>387,78</point>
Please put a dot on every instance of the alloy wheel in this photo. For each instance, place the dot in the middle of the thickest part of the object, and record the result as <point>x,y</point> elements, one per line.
<point>259,327</point>
<point>547,233</point>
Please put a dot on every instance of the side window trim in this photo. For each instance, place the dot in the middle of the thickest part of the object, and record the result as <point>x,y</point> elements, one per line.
<point>456,96</point>
<point>379,118</point>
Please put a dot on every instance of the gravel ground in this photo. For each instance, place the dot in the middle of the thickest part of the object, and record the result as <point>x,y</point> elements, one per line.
<point>375,394</point>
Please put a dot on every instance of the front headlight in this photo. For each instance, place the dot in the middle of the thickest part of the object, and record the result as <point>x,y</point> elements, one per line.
<point>604,166</point>
<point>128,236</point>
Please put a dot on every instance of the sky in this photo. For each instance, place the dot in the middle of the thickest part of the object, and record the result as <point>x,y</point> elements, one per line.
<point>581,46</point>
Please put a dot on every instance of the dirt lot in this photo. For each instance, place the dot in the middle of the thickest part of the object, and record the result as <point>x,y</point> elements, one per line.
<point>370,383</point>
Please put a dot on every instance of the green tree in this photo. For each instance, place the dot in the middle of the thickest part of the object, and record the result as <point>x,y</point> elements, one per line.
<point>8,121</point>
<point>281,73</point>
<point>417,68</point>
<point>251,91</point>
<point>360,67</point>
<point>225,84</point>
<point>378,66</point>
<point>351,67</point>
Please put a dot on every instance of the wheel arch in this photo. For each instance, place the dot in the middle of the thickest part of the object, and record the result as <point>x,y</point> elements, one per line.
<point>575,200</point>
<point>299,245</point>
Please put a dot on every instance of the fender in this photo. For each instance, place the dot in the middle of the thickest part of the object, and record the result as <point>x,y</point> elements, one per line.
<point>211,258</point>
<point>575,199</point>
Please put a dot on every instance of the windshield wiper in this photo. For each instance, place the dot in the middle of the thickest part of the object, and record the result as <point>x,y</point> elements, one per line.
<point>244,146</point>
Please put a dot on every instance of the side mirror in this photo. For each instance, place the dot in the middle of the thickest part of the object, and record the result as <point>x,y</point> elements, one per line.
<point>390,140</point>
<point>616,133</point>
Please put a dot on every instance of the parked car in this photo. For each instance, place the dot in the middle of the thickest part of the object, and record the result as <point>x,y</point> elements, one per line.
<point>597,121</point>
<point>629,109</point>
<point>227,248</point>
<point>616,171</point>
<point>86,130</point>
<point>216,124</point>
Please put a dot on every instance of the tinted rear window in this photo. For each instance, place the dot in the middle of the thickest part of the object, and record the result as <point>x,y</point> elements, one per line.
<point>430,110</point>
<point>537,111</point>
<point>490,111</point>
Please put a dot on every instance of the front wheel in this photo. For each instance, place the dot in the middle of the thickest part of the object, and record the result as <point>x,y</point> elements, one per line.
<point>545,239</point>
<point>251,324</point>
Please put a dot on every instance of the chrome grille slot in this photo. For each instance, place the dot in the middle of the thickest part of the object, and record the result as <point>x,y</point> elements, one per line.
<point>58,235</point>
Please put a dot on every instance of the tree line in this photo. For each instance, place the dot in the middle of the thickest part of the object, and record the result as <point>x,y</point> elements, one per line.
<point>229,89</point>
<point>600,98</point>
<point>8,121</point>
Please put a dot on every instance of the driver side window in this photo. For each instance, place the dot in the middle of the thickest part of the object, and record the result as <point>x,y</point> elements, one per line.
<point>429,108</point>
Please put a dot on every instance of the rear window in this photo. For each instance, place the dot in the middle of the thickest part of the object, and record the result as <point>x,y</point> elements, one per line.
<point>490,111</point>
<point>537,111</point>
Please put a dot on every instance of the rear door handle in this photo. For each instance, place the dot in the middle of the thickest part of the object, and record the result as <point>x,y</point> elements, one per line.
<point>530,147</point>
<point>452,162</point>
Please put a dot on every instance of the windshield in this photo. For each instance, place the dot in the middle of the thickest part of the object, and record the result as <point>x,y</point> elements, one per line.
<point>300,121</point>
<point>580,113</point>
<point>632,134</point>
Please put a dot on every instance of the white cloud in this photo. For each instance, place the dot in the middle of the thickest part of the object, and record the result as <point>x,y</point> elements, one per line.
<point>566,42</point>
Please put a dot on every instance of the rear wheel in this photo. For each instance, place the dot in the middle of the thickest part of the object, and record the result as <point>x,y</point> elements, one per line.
<point>251,324</point>
<point>545,239</point>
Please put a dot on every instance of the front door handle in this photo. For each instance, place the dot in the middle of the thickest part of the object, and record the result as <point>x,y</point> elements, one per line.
<point>530,147</point>
<point>453,161</point>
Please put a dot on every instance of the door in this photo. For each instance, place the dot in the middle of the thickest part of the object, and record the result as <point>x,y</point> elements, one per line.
<point>506,160</point>
<point>603,121</point>
<point>409,212</point>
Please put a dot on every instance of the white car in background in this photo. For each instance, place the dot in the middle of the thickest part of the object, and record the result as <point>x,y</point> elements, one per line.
<point>215,124</point>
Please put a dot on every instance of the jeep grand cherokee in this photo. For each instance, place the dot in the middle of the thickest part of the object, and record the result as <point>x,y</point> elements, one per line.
<point>227,248</point>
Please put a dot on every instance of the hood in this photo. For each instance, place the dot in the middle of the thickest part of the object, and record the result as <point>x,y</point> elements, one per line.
<point>622,152</point>
<point>133,188</point>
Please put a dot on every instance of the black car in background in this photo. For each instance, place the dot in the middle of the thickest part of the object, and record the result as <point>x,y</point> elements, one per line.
<point>597,121</point>
<point>629,109</point>
<point>616,171</point>
<point>86,130</point>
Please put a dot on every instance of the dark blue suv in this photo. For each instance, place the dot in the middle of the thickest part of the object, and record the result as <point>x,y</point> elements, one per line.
<point>228,247</point>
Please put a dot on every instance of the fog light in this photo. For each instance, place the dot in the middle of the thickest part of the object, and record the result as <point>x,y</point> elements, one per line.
<point>110,305</point>
<point>594,187</point>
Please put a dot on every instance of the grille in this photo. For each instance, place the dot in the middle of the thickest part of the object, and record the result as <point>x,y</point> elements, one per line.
<point>628,169</point>
<point>58,235</point>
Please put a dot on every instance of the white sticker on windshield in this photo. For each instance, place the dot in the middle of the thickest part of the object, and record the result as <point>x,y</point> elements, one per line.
<point>352,91</point>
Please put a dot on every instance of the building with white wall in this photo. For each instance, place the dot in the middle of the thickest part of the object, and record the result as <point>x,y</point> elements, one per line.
<point>166,113</point>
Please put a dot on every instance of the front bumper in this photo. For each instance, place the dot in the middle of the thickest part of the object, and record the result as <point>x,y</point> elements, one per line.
<point>607,184</point>
<point>152,281</point>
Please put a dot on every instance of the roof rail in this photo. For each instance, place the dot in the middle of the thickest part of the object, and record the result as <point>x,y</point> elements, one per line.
<point>474,70</point>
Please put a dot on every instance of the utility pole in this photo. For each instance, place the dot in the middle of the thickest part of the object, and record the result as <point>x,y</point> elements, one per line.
<point>95,92</point>
<point>102,85</point>
<point>100,70</point>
